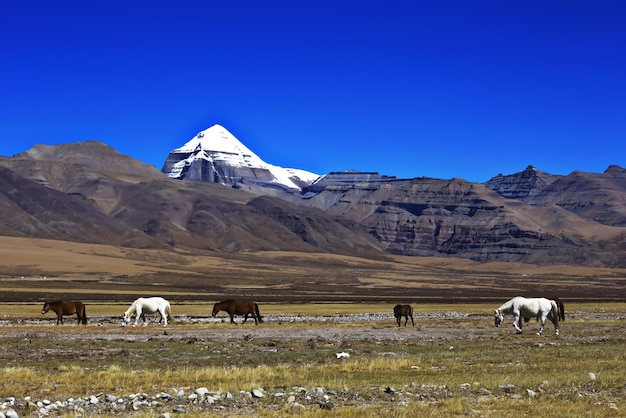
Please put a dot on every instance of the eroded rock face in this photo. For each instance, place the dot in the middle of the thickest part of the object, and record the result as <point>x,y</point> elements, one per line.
<point>523,185</point>
<point>433,217</point>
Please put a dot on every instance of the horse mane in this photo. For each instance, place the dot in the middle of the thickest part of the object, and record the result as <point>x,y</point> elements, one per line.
<point>506,306</point>
<point>133,306</point>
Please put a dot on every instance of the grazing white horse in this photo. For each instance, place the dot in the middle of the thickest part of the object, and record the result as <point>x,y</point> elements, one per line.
<point>521,307</point>
<point>143,306</point>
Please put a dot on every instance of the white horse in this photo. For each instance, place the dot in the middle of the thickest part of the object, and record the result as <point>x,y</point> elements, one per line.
<point>143,306</point>
<point>521,307</point>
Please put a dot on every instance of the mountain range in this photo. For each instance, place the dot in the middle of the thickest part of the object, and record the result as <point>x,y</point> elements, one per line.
<point>214,194</point>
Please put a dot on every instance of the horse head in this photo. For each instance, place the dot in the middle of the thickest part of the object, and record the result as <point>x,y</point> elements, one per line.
<point>498,318</point>
<point>215,310</point>
<point>46,307</point>
<point>126,317</point>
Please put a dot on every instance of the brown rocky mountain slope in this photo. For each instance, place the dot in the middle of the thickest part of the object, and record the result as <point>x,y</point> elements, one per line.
<point>99,195</point>
<point>427,216</point>
<point>88,192</point>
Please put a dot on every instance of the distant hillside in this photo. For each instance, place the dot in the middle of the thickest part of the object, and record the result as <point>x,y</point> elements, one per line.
<point>433,217</point>
<point>88,192</point>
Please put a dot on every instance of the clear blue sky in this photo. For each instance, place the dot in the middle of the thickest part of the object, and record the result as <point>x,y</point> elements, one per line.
<point>416,88</point>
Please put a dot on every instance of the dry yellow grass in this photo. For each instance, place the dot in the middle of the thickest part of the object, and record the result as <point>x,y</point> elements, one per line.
<point>137,359</point>
<point>451,366</point>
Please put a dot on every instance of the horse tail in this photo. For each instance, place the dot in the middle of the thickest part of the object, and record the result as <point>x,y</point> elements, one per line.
<point>561,309</point>
<point>168,312</point>
<point>554,311</point>
<point>258,314</point>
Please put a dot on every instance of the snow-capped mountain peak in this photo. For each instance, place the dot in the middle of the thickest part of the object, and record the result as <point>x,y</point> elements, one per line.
<point>215,155</point>
<point>218,139</point>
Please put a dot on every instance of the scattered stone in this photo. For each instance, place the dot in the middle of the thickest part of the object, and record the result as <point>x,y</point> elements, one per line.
<point>483,391</point>
<point>201,392</point>
<point>326,406</point>
<point>506,388</point>
<point>257,393</point>
<point>296,407</point>
<point>343,355</point>
<point>531,393</point>
<point>592,376</point>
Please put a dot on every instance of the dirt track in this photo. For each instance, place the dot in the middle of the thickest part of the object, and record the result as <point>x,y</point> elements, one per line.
<point>377,326</point>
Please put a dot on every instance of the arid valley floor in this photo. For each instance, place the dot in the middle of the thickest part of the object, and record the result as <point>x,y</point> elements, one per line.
<point>317,308</point>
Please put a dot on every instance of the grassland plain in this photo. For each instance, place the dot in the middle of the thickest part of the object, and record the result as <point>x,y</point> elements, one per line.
<point>454,362</point>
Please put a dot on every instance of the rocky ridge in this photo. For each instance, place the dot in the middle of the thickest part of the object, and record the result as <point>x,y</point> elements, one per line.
<point>88,192</point>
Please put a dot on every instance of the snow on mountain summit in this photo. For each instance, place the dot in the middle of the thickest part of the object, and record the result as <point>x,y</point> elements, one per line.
<point>218,139</point>
<point>216,155</point>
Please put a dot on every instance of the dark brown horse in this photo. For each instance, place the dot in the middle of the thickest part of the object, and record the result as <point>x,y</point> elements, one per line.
<point>405,311</point>
<point>66,308</point>
<point>239,307</point>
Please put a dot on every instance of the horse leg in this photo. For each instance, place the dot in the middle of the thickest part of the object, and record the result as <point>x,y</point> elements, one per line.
<point>543,324</point>
<point>555,321</point>
<point>232,317</point>
<point>163,317</point>
<point>516,322</point>
<point>413,322</point>
<point>406,319</point>
<point>398,319</point>
<point>556,326</point>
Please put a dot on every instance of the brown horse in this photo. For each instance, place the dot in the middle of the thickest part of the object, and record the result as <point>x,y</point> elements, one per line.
<point>405,311</point>
<point>66,308</point>
<point>239,307</point>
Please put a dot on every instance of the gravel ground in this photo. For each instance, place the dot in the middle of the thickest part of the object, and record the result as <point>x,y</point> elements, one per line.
<point>342,328</point>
